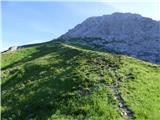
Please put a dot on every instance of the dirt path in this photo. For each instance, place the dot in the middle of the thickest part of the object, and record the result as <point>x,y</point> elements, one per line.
<point>125,111</point>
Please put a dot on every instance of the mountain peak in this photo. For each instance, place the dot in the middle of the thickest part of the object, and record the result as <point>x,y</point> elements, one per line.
<point>126,14</point>
<point>125,33</point>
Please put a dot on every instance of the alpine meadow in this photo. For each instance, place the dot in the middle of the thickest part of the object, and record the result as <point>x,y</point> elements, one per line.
<point>105,68</point>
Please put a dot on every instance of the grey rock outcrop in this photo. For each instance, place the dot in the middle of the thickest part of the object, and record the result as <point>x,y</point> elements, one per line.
<point>12,48</point>
<point>123,33</point>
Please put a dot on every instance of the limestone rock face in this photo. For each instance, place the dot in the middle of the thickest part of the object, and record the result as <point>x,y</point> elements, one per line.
<point>123,33</point>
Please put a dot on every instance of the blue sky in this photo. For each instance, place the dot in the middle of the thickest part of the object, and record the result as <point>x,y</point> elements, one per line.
<point>33,22</point>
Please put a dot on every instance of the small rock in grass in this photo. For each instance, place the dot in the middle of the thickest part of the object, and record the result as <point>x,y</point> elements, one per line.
<point>120,105</point>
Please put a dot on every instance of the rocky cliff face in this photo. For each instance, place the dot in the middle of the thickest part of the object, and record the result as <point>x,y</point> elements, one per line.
<point>123,33</point>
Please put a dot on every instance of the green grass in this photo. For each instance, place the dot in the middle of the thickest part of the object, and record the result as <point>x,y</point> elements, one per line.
<point>140,88</point>
<point>56,81</point>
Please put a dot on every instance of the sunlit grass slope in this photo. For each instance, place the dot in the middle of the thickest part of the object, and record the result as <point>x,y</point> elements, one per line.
<point>57,81</point>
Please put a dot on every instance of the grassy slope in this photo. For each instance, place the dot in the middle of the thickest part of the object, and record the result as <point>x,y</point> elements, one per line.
<point>59,81</point>
<point>140,88</point>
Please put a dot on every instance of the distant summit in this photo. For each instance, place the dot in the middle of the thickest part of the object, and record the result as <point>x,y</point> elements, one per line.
<point>124,33</point>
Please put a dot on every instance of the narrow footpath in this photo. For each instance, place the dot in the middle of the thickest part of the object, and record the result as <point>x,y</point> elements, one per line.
<point>125,111</point>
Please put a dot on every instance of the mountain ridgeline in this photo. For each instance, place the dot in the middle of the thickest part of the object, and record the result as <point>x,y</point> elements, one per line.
<point>124,33</point>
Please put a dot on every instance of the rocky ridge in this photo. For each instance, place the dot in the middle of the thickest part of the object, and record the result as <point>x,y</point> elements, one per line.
<point>124,33</point>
